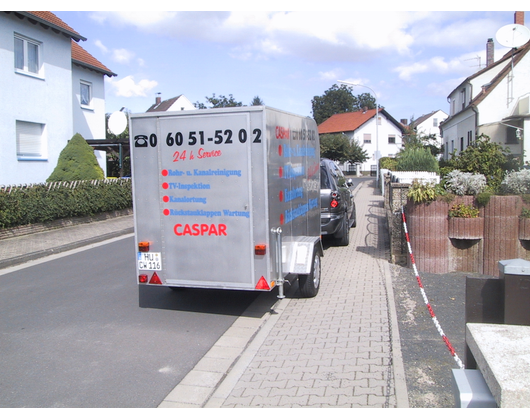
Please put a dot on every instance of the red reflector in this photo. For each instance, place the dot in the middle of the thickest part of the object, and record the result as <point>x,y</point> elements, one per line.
<point>260,249</point>
<point>143,246</point>
<point>155,279</point>
<point>262,284</point>
<point>334,203</point>
<point>142,278</point>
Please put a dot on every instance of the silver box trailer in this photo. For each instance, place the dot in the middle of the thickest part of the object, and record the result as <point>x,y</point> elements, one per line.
<point>226,198</point>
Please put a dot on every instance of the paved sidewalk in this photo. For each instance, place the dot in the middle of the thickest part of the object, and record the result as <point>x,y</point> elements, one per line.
<point>339,349</point>
<point>21,249</point>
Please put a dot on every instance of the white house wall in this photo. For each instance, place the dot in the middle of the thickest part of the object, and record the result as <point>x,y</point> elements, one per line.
<point>182,104</point>
<point>385,129</point>
<point>45,100</point>
<point>427,127</point>
<point>456,130</point>
<point>89,121</point>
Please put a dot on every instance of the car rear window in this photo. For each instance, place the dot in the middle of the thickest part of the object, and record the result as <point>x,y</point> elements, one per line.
<point>324,179</point>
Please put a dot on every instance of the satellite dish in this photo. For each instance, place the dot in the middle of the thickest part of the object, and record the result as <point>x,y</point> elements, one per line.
<point>117,122</point>
<point>513,36</point>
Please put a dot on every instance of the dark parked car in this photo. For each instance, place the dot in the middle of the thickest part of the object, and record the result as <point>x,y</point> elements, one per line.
<point>337,204</point>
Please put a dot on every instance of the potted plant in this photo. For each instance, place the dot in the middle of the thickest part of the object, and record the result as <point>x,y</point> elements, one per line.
<point>524,225</point>
<point>464,222</point>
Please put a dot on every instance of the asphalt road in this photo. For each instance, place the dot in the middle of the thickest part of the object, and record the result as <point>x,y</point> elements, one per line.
<point>427,360</point>
<point>76,331</point>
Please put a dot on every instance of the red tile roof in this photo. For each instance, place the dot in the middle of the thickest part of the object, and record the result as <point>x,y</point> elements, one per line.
<point>347,121</point>
<point>83,58</point>
<point>50,18</point>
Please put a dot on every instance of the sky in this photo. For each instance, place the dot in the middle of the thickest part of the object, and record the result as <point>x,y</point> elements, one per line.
<point>409,60</point>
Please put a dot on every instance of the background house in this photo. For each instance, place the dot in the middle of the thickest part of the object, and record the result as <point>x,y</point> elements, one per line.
<point>429,125</point>
<point>494,101</point>
<point>51,89</point>
<point>178,103</point>
<point>361,126</point>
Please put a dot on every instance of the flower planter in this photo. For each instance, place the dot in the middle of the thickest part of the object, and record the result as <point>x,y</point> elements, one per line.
<point>466,228</point>
<point>524,228</point>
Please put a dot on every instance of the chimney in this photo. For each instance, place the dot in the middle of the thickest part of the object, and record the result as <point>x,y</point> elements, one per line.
<point>518,18</point>
<point>158,100</point>
<point>404,121</point>
<point>490,52</point>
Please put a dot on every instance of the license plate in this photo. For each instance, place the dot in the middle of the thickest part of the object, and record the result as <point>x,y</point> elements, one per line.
<point>149,261</point>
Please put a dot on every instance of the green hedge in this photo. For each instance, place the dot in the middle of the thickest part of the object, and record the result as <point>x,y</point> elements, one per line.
<point>46,202</point>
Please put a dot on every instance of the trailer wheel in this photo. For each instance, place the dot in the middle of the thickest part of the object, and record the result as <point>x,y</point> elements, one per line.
<point>309,284</point>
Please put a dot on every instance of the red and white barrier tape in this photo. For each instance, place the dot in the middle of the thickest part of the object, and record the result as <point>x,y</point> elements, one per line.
<point>429,307</point>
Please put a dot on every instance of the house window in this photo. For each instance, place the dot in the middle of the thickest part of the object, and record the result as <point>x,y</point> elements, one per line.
<point>463,92</point>
<point>85,93</point>
<point>367,138</point>
<point>435,122</point>
<point>30,140</point>
<point>27,55</point>
<point>469,137</point>
<point>391,139</point>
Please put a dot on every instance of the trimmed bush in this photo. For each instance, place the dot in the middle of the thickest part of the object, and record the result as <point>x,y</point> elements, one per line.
<point>77,161</point>
<point>46,202</point>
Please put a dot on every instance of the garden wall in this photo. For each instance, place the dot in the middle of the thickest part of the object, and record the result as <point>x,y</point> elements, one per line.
<point>441,244</point>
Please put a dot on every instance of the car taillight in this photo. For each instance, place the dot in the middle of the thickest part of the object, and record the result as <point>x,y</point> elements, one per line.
<point>334,199</point>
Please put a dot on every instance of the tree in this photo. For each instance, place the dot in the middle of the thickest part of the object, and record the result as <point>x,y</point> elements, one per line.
<point>337,100</point>
<point>77,161</point>
<point>257,101</point>
<point>337,147</point>
<point>219,102</point>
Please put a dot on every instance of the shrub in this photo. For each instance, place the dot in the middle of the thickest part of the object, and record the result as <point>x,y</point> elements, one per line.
<point>525,213</point>
<point>417,159</point>
<point>463,210</point>
<point>77,161</point>
<point>47,202</point>
<point>516,182</point>
<point>482,157</point>
<point>388,163</point>
<point>464,183</point>
<point>424,192</point>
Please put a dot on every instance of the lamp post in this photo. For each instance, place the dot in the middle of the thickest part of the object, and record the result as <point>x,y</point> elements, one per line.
<point>376,125</point>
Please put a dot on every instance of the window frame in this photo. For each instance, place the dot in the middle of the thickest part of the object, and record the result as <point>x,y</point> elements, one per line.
<point>27,66</point>
<point>84,83</point>
<point>367,138</point>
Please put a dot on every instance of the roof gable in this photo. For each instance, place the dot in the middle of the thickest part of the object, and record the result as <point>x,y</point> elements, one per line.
<point>516,55</point>
<point>164,105</point>
<point>49,21</point>
<point>346,121</point>
<point>351,121</point>
<point>83,58</point>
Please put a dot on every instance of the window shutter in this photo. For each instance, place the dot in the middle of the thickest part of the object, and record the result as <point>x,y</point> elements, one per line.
<point>29,139</point>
